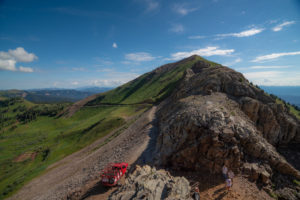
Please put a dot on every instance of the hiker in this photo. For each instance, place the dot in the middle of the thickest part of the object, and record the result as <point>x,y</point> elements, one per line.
<point>231,176</point>
<point>224,171</point>
<point>228,183</point>
<point>196,194</point>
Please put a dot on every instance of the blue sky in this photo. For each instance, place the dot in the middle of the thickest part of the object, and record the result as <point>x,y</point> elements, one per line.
<point>71,43</point>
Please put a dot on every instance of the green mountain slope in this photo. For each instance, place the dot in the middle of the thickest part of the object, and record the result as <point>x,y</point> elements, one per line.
<point>151,87</point>
<point>34,136</point>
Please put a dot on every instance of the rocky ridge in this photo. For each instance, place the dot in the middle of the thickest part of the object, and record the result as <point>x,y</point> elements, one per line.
<point>217,117</point>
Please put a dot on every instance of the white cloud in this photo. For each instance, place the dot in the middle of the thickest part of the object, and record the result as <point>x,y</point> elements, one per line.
<point>8,65</point>
<point>269,67</point>
<point>74,82</point>
<point>246,33</point>
<point>177,28</point>
<point>274,78</point>
<point>20,55</point>
<point>183,9</point>
<point>151,5</point>
<point>113,79</point>
<point>208,51</point>
<point>139,57</point>
<point>8,60</point>
<point>114,45</point>
<point>196,37</point>
<point>274,56</point>
<point>280,26</point>
<point>238,60</point>
<point>25,69</point>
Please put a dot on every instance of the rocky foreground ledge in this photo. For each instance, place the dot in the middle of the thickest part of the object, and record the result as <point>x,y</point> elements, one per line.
<point>148,183</point>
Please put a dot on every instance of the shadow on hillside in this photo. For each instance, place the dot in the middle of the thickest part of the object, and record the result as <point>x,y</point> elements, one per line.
<point>148,155</point>
<point>204,180</point>
<point>97,189</point>
<point>291,153</point>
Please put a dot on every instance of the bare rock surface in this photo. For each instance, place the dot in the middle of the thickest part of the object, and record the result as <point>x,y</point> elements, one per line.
<point>217,117</point>
<point>148,183</point>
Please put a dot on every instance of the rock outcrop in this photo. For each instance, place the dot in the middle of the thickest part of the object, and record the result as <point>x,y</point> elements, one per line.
<point>217,117</point>
<point>270,118</point>
<point>204,132</point>
<point>148,183</point>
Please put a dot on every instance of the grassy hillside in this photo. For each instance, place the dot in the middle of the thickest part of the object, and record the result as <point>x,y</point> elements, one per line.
<point>27,148</point>
<point>151,87</point>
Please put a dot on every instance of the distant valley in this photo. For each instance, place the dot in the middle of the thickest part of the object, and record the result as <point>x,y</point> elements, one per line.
<point>54,95</point>
<point>290,94</point>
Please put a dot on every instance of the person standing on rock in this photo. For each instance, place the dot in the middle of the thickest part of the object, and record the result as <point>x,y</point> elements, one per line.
<point>225,171</point>
<point>231,176</point>
<point>228,184</point>
<point>196,194</point>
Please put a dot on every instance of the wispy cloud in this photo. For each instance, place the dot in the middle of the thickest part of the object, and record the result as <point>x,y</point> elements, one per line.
<point>269,67</point>
<point>114,45</point>
<point>113,78</point>
<point>246,33</point>
<point>279,27</point>
<point>177,28</point>
<point>208,51</point>
<point>103,61</point>
<point>194,37</point>
<point>8,60</point>
<point>25,69</point>
<point>151,5</point>
<point>139,57</point>
<point>237,60</point>
<point>183,9</point>
<point>274,78</point>
<point>274,56</point>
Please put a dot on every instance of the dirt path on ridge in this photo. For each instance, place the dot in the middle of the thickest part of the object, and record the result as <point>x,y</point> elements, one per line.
<point>76,176</point>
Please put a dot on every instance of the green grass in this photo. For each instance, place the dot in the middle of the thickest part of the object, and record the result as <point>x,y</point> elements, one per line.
<point>296,182</point>
<point>52,139</point>
<point>291,108</point>
<point>151,87</point>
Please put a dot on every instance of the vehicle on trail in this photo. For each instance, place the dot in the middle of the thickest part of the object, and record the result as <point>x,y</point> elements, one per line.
<point>112,173</point>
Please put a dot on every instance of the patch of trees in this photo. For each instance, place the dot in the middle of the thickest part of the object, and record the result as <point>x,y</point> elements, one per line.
<point>39,110</point>
<point>10,101</point>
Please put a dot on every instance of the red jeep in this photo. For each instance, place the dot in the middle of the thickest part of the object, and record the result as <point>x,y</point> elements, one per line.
<point>112,173</point>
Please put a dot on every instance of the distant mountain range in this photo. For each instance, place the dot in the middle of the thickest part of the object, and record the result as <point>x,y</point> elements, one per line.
<point>290,94</point>
<point>54,95</point>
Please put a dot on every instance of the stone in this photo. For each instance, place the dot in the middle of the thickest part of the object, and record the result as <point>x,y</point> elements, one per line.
<point>148,183</point>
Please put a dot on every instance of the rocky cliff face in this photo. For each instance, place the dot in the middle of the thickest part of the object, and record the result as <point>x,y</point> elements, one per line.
<point>216,116</point>
<point>270,118</point>
<point>148,183</point>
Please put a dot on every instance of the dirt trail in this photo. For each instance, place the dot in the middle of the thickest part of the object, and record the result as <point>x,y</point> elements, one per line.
<point>212,187</point>
<point>242,189</point>
<point>76,175</point>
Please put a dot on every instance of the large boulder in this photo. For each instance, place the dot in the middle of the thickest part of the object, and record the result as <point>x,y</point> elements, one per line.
<point>148,183</point>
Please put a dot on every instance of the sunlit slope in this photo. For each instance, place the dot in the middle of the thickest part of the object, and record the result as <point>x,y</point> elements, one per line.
<point>151,87</point>
<point>28,147</point>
